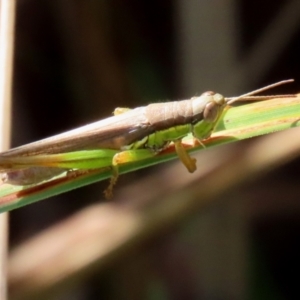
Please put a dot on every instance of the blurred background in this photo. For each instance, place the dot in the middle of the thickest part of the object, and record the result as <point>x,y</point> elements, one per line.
<point>75,61</point>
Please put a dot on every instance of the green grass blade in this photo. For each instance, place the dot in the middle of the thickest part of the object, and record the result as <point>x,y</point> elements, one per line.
<point>237,123</point>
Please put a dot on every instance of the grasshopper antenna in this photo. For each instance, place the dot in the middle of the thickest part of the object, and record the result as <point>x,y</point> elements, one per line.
<point>268,87</point>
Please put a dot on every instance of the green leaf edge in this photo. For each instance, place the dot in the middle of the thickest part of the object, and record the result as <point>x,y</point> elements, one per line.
<point>236,123</point>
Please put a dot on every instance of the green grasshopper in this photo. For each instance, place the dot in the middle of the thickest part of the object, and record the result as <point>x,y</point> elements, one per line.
<point>130,135</point>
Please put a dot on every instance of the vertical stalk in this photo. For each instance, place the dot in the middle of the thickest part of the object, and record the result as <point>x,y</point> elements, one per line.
<point>7,20</point>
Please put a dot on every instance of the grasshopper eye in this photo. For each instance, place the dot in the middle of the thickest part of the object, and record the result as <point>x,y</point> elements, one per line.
<point>211,111</point>
<point>212,108</point>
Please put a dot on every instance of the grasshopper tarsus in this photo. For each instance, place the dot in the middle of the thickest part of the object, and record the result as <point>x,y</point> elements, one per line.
<point>108,192</point>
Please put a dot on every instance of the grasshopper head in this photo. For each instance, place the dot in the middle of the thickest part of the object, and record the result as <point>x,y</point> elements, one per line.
<point>208,105</point>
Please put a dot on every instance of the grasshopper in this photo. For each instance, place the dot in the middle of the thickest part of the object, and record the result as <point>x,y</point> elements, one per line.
<point>130,135</point>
